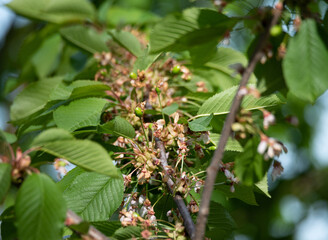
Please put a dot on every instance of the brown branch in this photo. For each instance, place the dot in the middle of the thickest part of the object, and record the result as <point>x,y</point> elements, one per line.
<point>216,162</point>
<point>178,199</point>
<point>93,233</point>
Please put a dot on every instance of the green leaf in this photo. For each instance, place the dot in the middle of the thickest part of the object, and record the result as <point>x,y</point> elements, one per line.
<point>201,124</point>
<point>242,192</point>
<point>220,103</point>
<point>80,113</point>
<point>69,178</point>
<point>119,127</point>
<point>117,16</point>
<point>7,137</point>
<point>86,88</point>
<point>127,233</point>
<point>199,96</point>
<point>93,196</point>
<point>56,11</point>
<point>250,166</point>
<point>128,41</point>
<point>220,222</point>
<point>191,28</point>
<point>47,56</point>
<point>40,209</point>
<point>170,109</point>
<point>79,89</point>
<point>304,65</point>
<point>51,135</point>
<point>84,153</point>
<point>197,55</point>
<point>107,228</point>
<point>86,38</point>
<point>262,186</point>
<point>232,144</point>
<point>5,179</point>
<point>145,60</point>
<point>8,228</point>
<point>32,99</point>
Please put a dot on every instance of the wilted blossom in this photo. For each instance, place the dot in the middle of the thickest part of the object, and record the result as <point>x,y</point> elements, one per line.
<point>146,234</point>
<point>193,207</point>
<point>229,175</point>
<point>204,137</point>
<point>269,147</point>
<point>169,215</point>
<point>137,210</point>
<point>268,119</point>
<point>277,170</point>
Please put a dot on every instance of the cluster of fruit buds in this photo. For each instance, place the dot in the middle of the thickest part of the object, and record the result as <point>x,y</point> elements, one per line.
<point>244,125</point>
<point>146,162</point>
<point>21,164</point>
<point>270,147</point>
<point>137,210</point>
<point>104,58</point>
<point>178,232</point>
<point>172,134</point>
<point>183,184</point>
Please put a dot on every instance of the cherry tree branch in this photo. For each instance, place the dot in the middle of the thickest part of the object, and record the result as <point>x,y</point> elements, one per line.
<point>93,233</point>
<point>178,199</point>
<point>216,162</point>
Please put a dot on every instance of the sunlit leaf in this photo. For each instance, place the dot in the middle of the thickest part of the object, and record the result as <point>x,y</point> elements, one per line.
<point>93,196</point>
<point>232,144</point>
<point>80,113</point>
<point>33,98</point>
<point>128,41</point>
<point>56,11</point>
<point>220,103</point>
<point>304,65</point>
<point>118,126</point>
<point>40,209</point>
<point>191,28</point>
<point>201,124</point>
<point>86,38</point>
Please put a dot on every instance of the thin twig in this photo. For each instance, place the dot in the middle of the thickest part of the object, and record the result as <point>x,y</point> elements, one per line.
<point>178,199</point>
<point>93,233</point>
<point>216,162</point>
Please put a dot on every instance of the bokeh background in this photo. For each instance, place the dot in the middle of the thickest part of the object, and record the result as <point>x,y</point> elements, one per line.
<point>298,208</point>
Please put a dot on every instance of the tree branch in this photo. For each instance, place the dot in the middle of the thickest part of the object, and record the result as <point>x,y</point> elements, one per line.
<point>216,162</point>
<point>178,199</point>
<point>93,233</point>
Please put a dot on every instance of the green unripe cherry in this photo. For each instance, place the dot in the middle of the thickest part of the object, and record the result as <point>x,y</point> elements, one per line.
<point>133,75</point>
<point>176,69</point>
<point>138,112</point>
<point>158,90</point>
<point>276,31</point>
<point>135,215</point>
